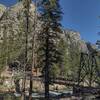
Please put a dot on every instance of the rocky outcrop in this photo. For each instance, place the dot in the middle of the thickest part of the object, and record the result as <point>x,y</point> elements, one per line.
<point>13,18</point>
<point>12,30</point>
<point>2,9</point>
<point>73,38</point>
<point>12,27</point>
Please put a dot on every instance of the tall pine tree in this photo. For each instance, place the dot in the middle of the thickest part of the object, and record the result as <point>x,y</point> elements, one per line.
<point>48,38</point>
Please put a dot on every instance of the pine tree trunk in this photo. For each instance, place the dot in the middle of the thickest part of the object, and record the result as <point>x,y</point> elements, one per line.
<point>46,83</point>
<point>47,69</point>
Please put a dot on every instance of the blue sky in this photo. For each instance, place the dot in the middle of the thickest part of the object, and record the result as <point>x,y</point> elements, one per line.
<point>80,15</point>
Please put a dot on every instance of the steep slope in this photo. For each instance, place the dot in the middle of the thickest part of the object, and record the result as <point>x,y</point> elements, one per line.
<point>71,48</point>
<point>2,9</point>
<point>12,39</point>
<point>12,32</point>
<point>74,38</point>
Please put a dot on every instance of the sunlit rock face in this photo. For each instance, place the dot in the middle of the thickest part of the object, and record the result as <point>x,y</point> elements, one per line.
<point>12,29</point>
<point>2,9</point>
<point>14,16</point>
<point>73,39</point>
<point>12,24</point>
<point>83,46</point>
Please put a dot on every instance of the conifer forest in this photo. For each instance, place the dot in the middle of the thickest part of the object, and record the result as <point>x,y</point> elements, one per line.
<point>41,59</point>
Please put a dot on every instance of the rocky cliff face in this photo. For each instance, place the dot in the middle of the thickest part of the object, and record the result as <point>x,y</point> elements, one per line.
<point>12,35</point>
<point>2,9</point>
<point>12,30</point>
<point>12,18</point>
<point>73,38</point>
